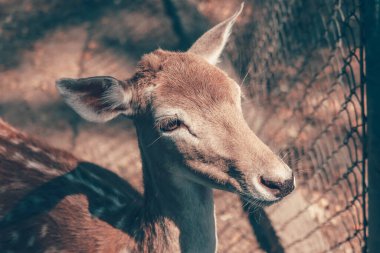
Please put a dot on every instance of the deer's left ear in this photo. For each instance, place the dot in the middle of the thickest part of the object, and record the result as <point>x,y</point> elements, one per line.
<point>97,99</point>
<point>211,44</point>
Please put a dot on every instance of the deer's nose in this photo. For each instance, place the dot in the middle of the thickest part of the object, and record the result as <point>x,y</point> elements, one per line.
<point>279,188</point>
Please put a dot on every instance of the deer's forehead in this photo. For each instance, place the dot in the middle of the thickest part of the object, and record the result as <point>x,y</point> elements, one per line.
<point>190,80</point>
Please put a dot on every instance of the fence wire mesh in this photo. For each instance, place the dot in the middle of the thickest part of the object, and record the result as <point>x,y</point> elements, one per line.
<point>304,71</point>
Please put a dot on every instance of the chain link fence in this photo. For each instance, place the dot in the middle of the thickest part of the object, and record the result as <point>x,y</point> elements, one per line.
<point>305,73</point>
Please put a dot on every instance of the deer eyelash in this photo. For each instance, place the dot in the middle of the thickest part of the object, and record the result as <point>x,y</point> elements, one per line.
<point>168,123</point>
<point>163,121</point>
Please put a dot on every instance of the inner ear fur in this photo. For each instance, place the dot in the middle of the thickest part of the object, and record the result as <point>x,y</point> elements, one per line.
<point>98,98</point>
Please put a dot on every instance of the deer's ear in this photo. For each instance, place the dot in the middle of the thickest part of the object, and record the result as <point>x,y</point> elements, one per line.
<point>96,99</point>
<point>211,44</point>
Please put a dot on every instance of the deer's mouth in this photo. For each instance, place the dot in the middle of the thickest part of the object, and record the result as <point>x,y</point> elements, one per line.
<point>255,202</point>
<point>254,198</point>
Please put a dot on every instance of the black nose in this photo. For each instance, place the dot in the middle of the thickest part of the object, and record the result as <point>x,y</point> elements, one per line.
<point>277,187</point>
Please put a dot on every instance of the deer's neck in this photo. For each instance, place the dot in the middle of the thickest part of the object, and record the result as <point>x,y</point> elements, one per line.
<point>178,213</point>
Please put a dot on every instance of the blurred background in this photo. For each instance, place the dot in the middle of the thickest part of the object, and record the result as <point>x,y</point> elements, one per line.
<point>300,63</point>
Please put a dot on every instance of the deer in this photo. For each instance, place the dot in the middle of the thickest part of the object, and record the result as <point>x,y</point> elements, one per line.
<point>192,137</point>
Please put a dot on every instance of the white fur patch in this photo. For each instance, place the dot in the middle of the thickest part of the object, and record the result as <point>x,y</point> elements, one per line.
<point>120,223</point>
<point>4,133</point>
<point>96,189</point>
<point>125,251</point>
<point>44,230</point>
<point>12,186</point>
<point>116,201</point>
<point>148,91</point>
<point>14,236</point>
<point>98,212</point>
<point>40,167</point>
<point>34,148</point>
<point>52,250</point>
<point>216,231</point>
<point>31,241</point>
<point>18,156</point>
<point>70,177</point>
<point>15,141</point>
<point>3,149</point>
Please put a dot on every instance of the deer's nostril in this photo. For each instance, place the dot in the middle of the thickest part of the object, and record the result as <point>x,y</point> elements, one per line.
<point>278,188</point>
<point>270,184</point>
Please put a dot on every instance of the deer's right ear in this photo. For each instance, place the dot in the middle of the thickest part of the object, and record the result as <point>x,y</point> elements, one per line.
<point>211,44</point>
<point>97,99</point>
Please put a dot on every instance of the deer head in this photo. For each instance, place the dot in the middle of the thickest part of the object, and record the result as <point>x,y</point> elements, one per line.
<point>188,118</point>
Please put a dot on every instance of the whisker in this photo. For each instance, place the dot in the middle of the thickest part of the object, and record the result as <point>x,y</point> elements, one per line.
<point>245,76</point>
<point>154,141</point>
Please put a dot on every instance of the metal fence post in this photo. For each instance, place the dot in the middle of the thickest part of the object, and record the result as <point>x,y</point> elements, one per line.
<point>372,49</point>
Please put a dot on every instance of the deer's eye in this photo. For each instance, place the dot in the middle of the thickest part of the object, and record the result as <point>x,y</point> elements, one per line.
<point>169,124</point>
